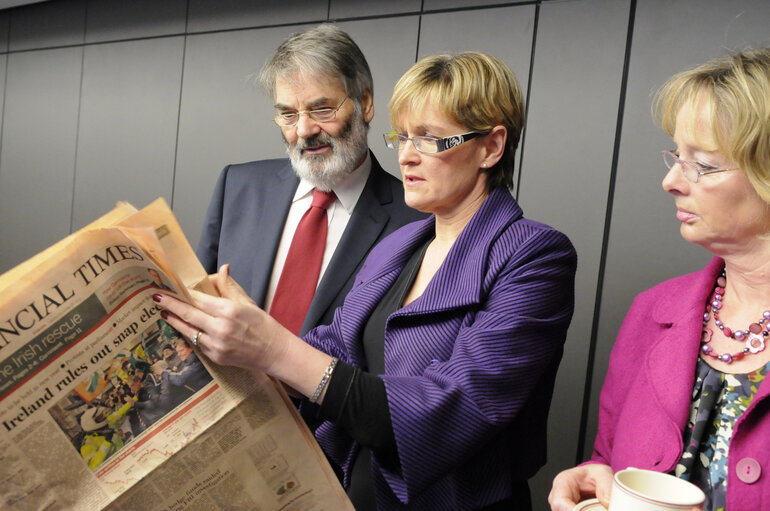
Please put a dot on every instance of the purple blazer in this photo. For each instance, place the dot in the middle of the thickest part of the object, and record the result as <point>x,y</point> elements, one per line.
<point>470,365</point>
<point>645,400</point>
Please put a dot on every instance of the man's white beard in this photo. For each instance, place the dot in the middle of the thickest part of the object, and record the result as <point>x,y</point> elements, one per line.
<point>347,151</point>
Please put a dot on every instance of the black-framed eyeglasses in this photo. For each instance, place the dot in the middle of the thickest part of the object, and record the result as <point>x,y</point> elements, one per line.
<point>290,118</point>
<point>691,170</point>
<point>429,145</point>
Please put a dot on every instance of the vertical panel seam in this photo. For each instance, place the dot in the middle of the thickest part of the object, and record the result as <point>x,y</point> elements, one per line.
<point>605,240</point>
<point>179,106</point>
<point>77,120</point>
<point>419,31</point>
<point>531,73</point>
<point>5,87</point>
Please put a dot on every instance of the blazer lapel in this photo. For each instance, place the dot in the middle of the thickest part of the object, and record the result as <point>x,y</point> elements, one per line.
<point>468,257</point>
<point>275,199</point>
<point>367,222</point>
<point>379,278</point>
<point>670,362</point>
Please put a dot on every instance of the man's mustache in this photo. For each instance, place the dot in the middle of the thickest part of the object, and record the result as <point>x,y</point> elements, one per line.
<point>314,141</point>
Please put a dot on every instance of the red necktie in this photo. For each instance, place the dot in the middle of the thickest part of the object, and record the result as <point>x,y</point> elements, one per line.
<point>299,277</point>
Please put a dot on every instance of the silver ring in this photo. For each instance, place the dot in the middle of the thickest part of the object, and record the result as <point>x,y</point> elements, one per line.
<point>196,338</point>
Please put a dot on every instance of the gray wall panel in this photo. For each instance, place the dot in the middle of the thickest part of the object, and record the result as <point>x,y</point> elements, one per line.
<point>47,24</point>
<point>3,69</point>
<point>128,124</point>
<point>206,15</point>
<point>389,48</point>
<point>5,29</point>
<point>111,20</point>
<point>224,117</point>
<point>465,31</point>
<point>644,243</point>
<point>566,167</point>
<point>38,151</point>
<point>431,5</point>
<point>356,8</point>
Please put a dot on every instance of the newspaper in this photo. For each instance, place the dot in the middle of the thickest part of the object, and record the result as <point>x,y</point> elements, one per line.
<point>104,406</point>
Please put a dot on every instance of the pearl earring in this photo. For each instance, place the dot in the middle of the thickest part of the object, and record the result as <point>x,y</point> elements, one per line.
<point>484,165</point>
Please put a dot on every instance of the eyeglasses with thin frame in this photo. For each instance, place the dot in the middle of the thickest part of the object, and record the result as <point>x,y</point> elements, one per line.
<point>690,169</point>
<point>429,145</point>
<point>290,118</point>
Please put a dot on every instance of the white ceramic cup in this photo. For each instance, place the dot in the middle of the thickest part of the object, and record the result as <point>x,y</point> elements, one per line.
<point>645,490</point>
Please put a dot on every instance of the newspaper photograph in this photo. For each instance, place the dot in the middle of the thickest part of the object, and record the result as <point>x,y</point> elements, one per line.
<point>104,405</point>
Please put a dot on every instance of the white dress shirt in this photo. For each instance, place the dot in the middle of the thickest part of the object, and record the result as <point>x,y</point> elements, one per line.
<point>338,215</point>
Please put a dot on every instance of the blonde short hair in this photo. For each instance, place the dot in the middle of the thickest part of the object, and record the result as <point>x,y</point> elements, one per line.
<point>737,89</point>
<point>474,89</point>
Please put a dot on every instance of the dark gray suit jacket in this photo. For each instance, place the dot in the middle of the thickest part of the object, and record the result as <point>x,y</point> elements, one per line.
<point>245,220</point>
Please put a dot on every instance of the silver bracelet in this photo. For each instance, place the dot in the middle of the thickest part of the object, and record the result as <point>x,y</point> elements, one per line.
<point>324,380</point>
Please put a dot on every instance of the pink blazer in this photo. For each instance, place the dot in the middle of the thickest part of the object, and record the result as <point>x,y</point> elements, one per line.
<point>645,400</point>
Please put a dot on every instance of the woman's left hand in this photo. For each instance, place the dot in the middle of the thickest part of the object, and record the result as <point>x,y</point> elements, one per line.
<point>234,331</point>
<point>578,483</point>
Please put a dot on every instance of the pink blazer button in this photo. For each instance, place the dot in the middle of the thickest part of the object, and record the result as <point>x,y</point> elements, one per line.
<point>748,470</point>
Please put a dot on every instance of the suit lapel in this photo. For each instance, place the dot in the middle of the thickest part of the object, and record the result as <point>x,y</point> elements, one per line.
<point>670,363</point>
<point>275,200</point>
<point>367,222</point>
<point>469,257</point>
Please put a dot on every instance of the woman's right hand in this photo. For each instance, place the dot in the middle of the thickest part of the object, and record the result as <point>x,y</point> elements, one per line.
<point>580,483</point>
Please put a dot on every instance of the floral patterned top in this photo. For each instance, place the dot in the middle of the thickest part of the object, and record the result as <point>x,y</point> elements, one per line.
<point>718,400</point>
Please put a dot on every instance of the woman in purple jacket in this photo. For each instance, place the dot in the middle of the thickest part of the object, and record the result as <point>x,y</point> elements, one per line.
<point>435,377</point>
<point>685,382</point>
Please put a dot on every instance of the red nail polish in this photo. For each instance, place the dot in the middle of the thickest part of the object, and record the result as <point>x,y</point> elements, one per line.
<point>156,298</point>
<point>164,314</point>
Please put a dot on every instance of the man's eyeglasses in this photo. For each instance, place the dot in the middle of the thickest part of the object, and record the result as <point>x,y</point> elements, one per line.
<point>290,118</point>
<point>691,170</point>
<point>429,145</point>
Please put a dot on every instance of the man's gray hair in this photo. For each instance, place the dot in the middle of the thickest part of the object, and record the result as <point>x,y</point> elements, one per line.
<point>320,52</point>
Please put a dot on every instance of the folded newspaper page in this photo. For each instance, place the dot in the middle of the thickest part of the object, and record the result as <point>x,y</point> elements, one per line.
<point>104,406</point>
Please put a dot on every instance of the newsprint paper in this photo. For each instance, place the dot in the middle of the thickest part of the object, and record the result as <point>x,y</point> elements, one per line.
<point>104,406</point>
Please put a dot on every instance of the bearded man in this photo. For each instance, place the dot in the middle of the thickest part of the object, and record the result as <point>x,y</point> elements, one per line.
<point>323,97</point>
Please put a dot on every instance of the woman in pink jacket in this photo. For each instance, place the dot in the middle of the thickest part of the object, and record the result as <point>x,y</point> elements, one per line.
<point>684,393</point>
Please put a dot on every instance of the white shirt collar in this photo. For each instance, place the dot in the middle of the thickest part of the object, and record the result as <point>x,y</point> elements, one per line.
<point>348,191</point>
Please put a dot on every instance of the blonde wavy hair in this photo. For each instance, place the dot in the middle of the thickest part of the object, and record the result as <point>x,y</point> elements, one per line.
<point>473,89</point>
<point>736,89</point>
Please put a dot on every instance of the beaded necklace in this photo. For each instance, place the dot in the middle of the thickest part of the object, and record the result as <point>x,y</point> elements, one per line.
<point>754,336</point>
